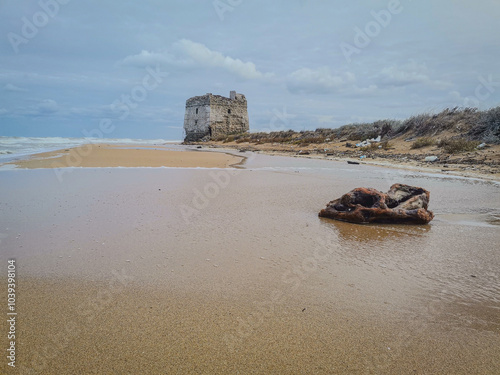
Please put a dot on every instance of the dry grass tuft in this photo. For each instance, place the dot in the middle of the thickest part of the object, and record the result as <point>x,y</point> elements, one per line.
<point>423,142</point>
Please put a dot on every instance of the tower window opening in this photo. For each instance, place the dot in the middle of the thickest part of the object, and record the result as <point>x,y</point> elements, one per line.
<point>196,110</point>
<point>229,111</point>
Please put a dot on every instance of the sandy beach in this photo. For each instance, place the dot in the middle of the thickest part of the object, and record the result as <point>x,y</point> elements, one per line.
<point>230,270</point>
<point>250,188</point>
<point>103,155</point>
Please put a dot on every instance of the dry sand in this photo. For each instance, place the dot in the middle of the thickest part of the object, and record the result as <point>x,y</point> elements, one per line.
<point>154,271</point>
<point>96,155</point>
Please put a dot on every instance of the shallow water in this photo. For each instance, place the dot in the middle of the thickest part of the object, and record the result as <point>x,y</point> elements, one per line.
<point>240,274</point>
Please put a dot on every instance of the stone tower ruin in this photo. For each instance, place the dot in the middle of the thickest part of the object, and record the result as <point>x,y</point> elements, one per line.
<point>210,116</point>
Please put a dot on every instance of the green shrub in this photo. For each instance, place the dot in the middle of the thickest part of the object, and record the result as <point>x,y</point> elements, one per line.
<point>455,146</point>
<point>423,142</point>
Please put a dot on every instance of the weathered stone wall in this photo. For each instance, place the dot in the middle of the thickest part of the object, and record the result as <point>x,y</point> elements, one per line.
<point>197,118</point>
<point>214,115</point>
<point>228,116</point>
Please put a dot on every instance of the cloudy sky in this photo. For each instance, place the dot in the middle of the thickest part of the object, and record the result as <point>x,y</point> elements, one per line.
<point>124,69</point>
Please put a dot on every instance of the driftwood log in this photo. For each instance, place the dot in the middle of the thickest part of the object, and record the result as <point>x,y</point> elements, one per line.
<point>401,204</point>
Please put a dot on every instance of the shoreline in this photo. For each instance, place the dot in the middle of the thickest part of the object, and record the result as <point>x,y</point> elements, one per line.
<point>111,156</point>
<point>408,167</point>
<point>137,156</point>
<point>393,160</point>
<point>218,155</point>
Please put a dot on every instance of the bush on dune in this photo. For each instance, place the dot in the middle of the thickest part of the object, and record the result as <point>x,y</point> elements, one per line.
<point>455,146</point>
<point>470,123</point>
<point>423,142</point>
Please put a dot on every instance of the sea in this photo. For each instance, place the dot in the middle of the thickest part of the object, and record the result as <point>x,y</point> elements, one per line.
<point>14,148</point>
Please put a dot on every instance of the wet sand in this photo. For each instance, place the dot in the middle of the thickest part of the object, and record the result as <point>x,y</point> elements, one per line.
<point>223,271</point>
<point>98,156</point>
<point>482,164</point>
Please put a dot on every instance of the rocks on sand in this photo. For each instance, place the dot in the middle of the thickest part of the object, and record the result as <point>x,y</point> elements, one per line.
<point>401,204</point>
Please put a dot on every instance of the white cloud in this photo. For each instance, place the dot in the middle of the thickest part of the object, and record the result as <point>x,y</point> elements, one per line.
<point>146,58</point>
<point>186,53</point>
<point>409,74</point>
<point>206,57</point>
<point>318,81</point>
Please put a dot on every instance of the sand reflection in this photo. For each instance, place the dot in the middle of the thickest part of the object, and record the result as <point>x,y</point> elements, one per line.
<point>374,232</point>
